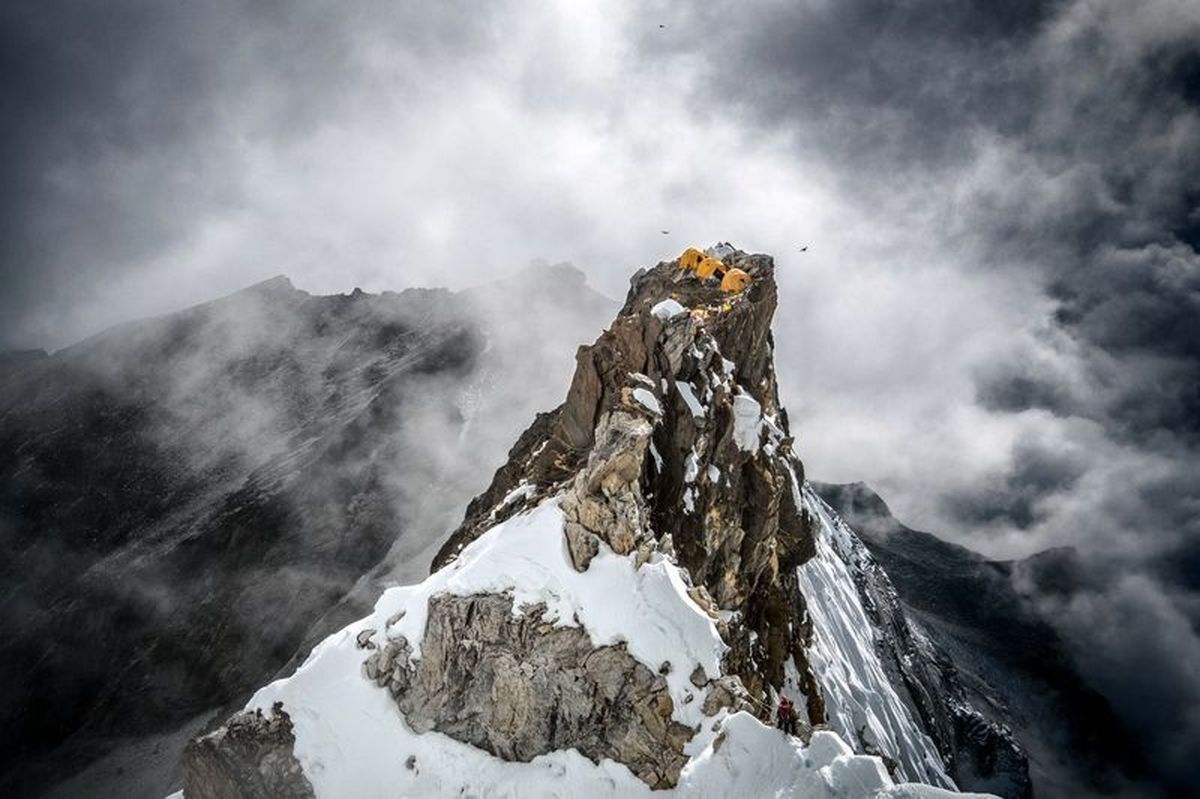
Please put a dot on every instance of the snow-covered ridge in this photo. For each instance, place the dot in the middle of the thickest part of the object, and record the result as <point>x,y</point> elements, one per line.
<point>352,740</point>
<point>639,581</point>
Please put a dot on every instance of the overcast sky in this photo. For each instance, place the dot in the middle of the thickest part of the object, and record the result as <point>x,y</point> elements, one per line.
<point>997,322</point>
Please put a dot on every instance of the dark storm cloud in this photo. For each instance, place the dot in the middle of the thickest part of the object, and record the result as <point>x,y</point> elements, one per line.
<point>877,82</point>
<point>1058,142</point>
<point>76,85</point>
<point>1018,387</point>
<point>1035,475</point>
<point>125,123</point>
<point>1142,653</point>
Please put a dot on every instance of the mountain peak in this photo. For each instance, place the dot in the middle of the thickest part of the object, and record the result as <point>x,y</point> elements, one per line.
<point>642,581</point>
<point>695,365</point>
<point>278,283</point>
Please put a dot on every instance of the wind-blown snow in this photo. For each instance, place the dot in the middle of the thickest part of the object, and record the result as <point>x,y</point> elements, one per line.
<point>859,698</point>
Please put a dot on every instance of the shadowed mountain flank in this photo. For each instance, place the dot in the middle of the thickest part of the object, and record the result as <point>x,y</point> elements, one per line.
<point>182,498</point>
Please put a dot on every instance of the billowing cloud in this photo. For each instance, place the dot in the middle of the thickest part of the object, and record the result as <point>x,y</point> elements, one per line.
<point>997,323</point>
<point>1045,155</point>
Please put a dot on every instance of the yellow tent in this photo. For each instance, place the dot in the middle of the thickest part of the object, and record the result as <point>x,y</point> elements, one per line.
<point>735,280</point>
<point>706,266</point>
<point>691,258</point>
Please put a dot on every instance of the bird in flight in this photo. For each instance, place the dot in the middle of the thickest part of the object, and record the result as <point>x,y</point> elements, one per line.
<point>664,232</point>
<point>662,26</point>
<point>804,248</point>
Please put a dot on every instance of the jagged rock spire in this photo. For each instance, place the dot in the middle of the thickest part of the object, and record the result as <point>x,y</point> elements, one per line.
<point>628,589</point>
<point>672,434</point>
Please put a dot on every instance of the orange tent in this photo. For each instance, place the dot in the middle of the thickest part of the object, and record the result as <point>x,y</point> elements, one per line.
<point>735,280</point>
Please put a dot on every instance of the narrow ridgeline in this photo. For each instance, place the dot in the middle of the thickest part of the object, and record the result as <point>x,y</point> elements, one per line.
<point>620,611</point>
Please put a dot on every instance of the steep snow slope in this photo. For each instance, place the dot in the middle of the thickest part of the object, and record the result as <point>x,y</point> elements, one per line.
<point>862,704</point>
<point>980,751</point>
<point>1012,664</point>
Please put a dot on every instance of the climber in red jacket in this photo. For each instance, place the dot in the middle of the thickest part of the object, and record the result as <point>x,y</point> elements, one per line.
<point>785,715</point>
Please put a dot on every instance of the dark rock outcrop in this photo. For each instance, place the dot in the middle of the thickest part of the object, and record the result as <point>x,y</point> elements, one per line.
<point>712,462</point>
<point>248,758</point>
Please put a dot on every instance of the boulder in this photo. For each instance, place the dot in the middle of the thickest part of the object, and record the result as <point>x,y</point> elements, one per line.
<point>517,686</point>
<point>250,757</point>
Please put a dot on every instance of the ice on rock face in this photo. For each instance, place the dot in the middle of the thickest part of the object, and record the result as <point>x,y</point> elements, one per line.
<point>647,400</point>
<point>859,697</point>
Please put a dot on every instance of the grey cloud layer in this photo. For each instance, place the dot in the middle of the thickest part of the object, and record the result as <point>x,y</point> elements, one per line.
<point>998,323</point>
<point>1058,143</point>
<point>131,125</point>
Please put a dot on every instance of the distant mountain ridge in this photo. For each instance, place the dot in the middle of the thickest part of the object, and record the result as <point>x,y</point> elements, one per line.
<point>1013,663</point>
<point>182,496</point>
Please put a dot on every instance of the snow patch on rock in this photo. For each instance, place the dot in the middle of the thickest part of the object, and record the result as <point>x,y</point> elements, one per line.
<point>667,309</point>
<point>747,421</point>
<point>647,400</point>
<point>689,398</point>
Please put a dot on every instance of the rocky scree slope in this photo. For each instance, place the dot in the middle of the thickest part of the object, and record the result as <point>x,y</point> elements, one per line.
<point>182,499</point>
<point>642,577</point>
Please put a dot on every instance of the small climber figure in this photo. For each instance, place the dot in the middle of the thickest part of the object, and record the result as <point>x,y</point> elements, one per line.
<point>785,715</point>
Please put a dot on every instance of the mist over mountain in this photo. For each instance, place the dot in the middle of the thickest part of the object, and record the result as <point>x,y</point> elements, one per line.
<point>192,503</point>
<point>182,497</point>
<point>984,220</point>
<point>986,617</point>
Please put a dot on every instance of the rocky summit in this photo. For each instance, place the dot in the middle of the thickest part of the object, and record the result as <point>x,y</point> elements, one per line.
<point>621,610</point>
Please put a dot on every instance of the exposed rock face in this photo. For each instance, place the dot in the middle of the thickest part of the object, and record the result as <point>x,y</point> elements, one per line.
<point>519,687</point>
<point>605,499</point>
<point>672,430</point>
<point>249,758</point>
